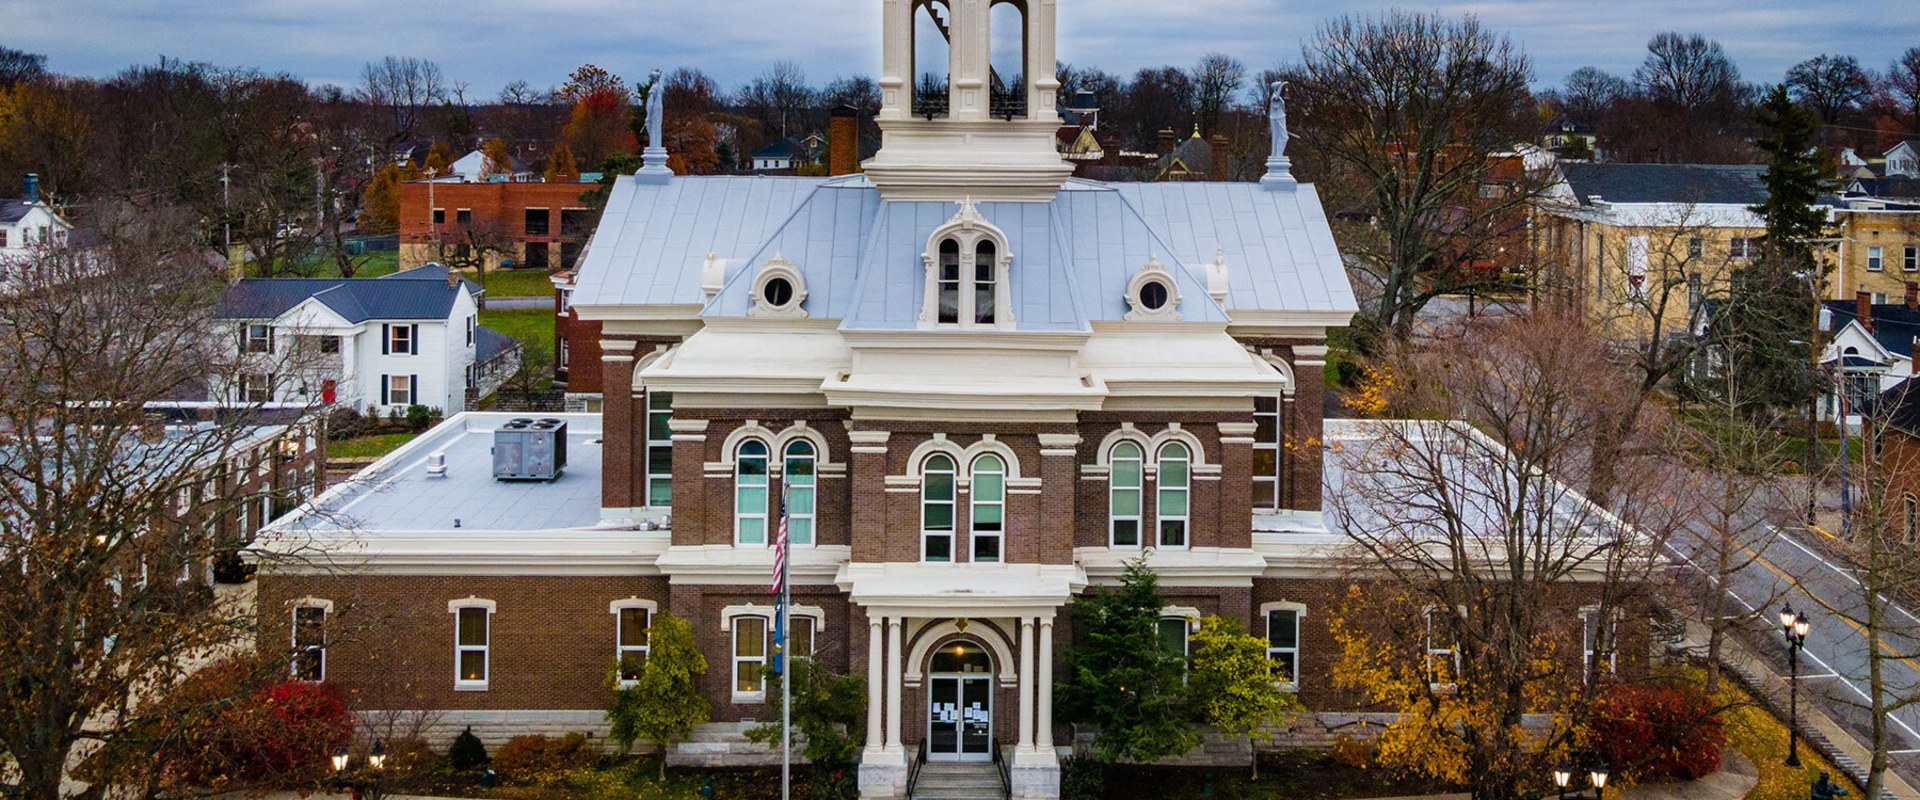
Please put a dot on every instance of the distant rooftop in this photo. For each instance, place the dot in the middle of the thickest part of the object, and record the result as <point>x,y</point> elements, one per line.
<point>396,495</point>
<point>418,293</point>
<point>1732,184</point>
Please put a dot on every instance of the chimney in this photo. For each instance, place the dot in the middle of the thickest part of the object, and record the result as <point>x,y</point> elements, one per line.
<point>843,142</point>
<point>453,277</point>
<point>1913,296</point>
<point>1168,140</point>
<point>1217,164</point>
<point>30,191</point>
<point>1863,308</point>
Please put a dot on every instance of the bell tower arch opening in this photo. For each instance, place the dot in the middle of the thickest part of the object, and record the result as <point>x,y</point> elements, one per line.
<point>1007,59</point>
<point>932,59</point>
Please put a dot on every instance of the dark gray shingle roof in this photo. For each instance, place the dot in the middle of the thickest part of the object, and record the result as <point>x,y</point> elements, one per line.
<point>13,210</point>
<point>488,343</point>
<point>421,294</point>
<point>1736,184</point>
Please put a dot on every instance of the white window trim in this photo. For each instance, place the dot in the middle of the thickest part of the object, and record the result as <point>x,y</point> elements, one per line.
<point>952,532</point>
<point>1267,488</point>
<point>397,334</point>
<point>1300,614</point>
<point>486,650</point>
<point>265,340</point>
<point>1138,518</point>
<point>1587,652</point>
<point>968,229</point>
<point>974,504</point>
<point>1426,616</point>
<point>764,516</point>
<point>620,648</point>
<point>811,517</point>
<point>1876,258</point>
<point>1910,258</point>
<point>655,444</point>
<point>1186,489</point>
<point>326,614</point>
<point>779,266</point>
<point>1150,272</point>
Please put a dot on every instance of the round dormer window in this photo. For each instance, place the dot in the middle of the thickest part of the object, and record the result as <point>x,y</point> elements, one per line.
<point>1153,295</point>
<point>778,292</point>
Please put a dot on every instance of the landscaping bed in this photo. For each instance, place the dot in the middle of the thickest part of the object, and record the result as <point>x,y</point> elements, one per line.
<point>1291,775</point>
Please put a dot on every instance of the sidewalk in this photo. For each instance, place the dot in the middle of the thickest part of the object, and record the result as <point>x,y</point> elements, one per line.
<point>1816,728</point>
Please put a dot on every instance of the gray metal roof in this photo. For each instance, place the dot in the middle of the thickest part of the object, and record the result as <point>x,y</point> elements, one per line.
<point>421,294</point>
<point>861,255</point>
<point>488,343</point>
<point>1731,184</point>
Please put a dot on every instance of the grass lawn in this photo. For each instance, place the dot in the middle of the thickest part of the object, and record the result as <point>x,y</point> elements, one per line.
<point>532,326</point>
<point>373,446</point>
<point>379,263</point>
<point>518,283</point>
<point>1762,738</point>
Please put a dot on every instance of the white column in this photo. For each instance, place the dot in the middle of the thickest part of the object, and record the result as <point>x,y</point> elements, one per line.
<point>875,693</point>
<point>969,49</point>
<point>896,67</point>
<point>1043,738</point>
<point>895,677</point>
<point>1043,80</point>
<point>1026,683</point>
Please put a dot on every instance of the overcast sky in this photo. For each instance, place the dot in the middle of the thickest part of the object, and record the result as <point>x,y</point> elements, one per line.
<point>488,43</point>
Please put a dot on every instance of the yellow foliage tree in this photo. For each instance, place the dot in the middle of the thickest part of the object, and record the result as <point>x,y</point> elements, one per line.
<point>380,202</point>
<point>498,159</point>
<point>561,168</point>
<point>440,158</point>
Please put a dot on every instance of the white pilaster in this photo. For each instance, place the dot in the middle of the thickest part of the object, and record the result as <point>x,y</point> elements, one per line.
<point>1043,78</point>
<point>1043,736</point>
<point>895,677</point>
<point>875,693</point>
<point>1026,683</point>
<point>970,63</point>
<point>896,62</point>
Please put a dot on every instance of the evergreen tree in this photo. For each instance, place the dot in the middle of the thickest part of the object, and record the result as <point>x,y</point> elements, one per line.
<point>665,703</point>
<point>1120,677</point>
<point>1767,328</point>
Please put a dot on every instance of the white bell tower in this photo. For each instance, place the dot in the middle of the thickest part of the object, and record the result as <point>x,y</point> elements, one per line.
<point>963,128</point>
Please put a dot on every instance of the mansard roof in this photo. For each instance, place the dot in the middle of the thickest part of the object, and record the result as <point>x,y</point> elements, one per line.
<point>861,256</point>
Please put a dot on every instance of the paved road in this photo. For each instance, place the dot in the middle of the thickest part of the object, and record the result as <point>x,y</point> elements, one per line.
<point>1787,568</point>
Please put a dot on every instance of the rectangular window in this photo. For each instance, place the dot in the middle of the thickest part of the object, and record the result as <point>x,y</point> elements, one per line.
<point>463,217</point>
<point>1910,260</point>
<point>630,641</point>
<point>400,340</point>
<point>1597,654</point>
<point>536,255</point>
<point>802,638</point>
<point>1173,635</point>
<point>749,658</point>
<point>399,390</point>
<point>1266,452</point>
<point>538,221</point>
<point>472,322</point>
<point>1639,258</point>
<point>569,254</point>
<point>259,338</point>
<point>439,216</point>
<point>575,222</point>
<point>566,300</point>
<point>470,647</point>
<point>256,388</point>
<point>1744,248</point>
<point>1696,292</point>
<point>1283,644</point>
<point>329,345</point>
<point>1696,247</point>
<point>310,643</point>
<point>1878,298</point>
<point>1443,657</point>
<point>1876,259</point>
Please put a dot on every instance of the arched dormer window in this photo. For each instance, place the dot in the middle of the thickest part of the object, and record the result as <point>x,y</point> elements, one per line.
<point>750,494</point>
<point>967,263</point>
<point>936,509</point>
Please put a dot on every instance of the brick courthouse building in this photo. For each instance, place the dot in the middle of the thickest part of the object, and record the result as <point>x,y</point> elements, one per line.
<point>981,385</point>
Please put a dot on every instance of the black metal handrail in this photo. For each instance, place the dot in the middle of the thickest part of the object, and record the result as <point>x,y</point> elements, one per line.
<point>1006,775</point>
<point>913,768</point>
<point>1008,103</point>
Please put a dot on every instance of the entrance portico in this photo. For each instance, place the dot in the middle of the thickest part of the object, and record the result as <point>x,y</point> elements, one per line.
<point>956,639</point>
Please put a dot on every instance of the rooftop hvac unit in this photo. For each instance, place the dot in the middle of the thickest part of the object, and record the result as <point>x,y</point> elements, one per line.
<point>524,450</point>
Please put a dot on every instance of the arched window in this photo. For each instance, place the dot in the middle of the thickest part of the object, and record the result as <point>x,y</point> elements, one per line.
<point>1007,59</point>
<point>1123,501</point>
<point>936,509</point>
<point>750,494</point>
<point>989,509</point>
<point>1266,452</point>
<point>984,287</point>
<point>949,282</point>
<point>1170,508</point>
<point>798,479</point>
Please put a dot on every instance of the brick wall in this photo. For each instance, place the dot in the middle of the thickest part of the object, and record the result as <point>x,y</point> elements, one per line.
<point>493,204</point>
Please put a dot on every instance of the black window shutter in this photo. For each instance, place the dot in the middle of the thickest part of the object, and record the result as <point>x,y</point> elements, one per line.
<point>386,341</point>
<point>271,337</point>
<point>413,340</point>
<point>385,382</point>
<point>413,390</point>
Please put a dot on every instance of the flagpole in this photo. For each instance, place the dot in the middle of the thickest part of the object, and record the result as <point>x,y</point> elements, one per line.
<point>786,661</point>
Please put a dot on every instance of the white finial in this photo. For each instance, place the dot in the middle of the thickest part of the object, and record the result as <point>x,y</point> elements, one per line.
<point>1217,277</point>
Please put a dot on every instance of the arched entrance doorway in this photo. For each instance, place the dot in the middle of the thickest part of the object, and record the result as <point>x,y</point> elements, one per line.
<point>960,703</point>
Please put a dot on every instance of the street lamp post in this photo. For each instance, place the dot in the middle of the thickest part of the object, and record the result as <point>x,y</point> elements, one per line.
<point>1793,625</point>
<point>1563,779</point>
<point>365,782</point>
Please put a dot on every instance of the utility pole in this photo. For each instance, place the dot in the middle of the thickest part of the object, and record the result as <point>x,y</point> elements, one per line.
<point>226,208</point>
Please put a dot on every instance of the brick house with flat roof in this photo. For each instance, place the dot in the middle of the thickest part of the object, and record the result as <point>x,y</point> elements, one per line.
<point>543,226</point>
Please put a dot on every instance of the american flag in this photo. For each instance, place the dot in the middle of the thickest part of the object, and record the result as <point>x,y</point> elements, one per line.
<point>780,551</point>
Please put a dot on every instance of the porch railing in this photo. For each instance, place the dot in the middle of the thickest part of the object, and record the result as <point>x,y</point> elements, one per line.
<point>1000,765</point>
<point>913,767</point>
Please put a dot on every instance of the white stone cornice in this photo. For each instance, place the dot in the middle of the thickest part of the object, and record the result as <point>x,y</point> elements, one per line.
<point>727,565</point>
<point>1238,428</point>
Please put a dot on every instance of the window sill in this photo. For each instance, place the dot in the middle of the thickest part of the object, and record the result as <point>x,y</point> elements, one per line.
<point>469,686</point>
<point>628,684</point>
<point>749,698</point>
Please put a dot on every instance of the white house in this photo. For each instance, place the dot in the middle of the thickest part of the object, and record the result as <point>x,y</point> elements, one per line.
<point>27,222</point>
<point>383,343</point>
<point>474,167</point>
<point>1871,350</point>
<point>1903,161</point>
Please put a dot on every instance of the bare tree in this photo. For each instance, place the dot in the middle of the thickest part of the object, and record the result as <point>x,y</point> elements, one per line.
<point>405,87</point>
<point>20,66</point>
<point>1903,79</point>
<point>1591,92</point>
<point>1216,81</point>
<point>1830,85</point>
<point>1159,100</point>
<point>1472,538</point>
<point>101,509</point>
<point>1408,118</point>
<point>476,245</point>
<point>1689,71</point>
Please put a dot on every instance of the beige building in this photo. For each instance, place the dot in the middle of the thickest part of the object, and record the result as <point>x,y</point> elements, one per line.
<point>1879,250</point>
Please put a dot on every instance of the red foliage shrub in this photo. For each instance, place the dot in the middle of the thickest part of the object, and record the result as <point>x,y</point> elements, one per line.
<point>223,728</point>
<point>1658,733</point>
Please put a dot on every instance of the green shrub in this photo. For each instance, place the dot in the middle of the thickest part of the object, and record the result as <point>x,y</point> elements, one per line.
<point>466,752</point>
<point>543,759</point>
<point>419,417</point>
<point>1082,778</point>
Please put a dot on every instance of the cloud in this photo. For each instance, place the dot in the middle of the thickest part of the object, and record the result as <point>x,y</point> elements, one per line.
<point>489,43</point>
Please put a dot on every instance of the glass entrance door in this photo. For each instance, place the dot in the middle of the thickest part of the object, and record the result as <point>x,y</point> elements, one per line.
<point>960,718</point>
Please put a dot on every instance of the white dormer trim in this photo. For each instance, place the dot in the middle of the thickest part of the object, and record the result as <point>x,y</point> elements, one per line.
<point>778,267</point>
<point>967,228</point>
<point>713,276</point>
<point>1153,272</point>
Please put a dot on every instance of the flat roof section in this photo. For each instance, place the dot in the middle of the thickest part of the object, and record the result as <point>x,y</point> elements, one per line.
<point>396,495</point>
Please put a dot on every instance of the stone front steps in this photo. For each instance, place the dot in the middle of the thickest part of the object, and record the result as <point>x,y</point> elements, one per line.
<point>974,780</point>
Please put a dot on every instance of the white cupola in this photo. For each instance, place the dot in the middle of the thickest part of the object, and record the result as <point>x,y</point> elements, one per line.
<point>969,102</point>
